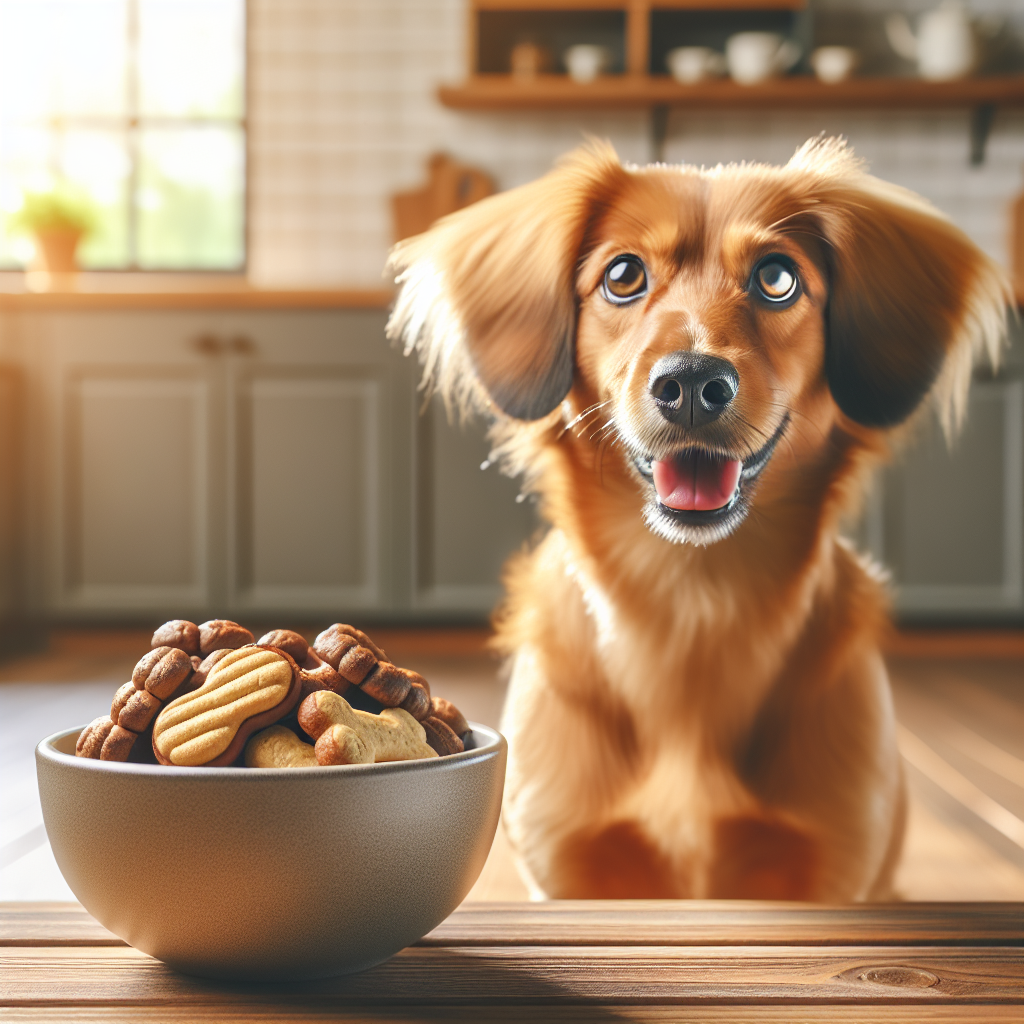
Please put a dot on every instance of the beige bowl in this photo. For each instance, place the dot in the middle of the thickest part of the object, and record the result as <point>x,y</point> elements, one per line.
<point>271,873</point>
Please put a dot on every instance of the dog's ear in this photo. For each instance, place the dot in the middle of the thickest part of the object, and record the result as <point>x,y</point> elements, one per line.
<point>488,294</point>
<point>911,298</point>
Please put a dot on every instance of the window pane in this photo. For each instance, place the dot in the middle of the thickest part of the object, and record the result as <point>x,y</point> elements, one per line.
<point>62,57</point>
<point>94,162</point>
<point>191,198</point>
<point>191,57</point>
<point>26,164</point>
<point>97,162</point>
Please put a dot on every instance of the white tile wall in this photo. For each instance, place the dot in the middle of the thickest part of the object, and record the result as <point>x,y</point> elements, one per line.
<point>343,113</point>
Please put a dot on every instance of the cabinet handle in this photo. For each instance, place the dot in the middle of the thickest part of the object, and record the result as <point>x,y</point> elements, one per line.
<point>242,345</point>
<point>207,344</point>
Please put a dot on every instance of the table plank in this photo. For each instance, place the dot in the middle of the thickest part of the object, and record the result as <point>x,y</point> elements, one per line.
<point>261,1013</point>
<point>729,922</point>
<point>629,922</point>
<point>542,975</point>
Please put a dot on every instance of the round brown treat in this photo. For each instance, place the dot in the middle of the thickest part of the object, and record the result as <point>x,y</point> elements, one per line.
<point>139,711</point>
<point>417,702</point>
<point>286,640</point>
<point>118,744</point>
<point>449,714</point>
<point>178,633</point>
<point>336,639</point>
<point>316,674</point>
<point>120,699</point>
<point>357,663</point>
<point>196,662</point>
<point>218,634</point>
<point>90,739</point>
<point>206,665</point>
<point>388,684</point>
<point>162,671</point>
<point>417,679</point>
<point>441,737</point>
<point>331,645</point>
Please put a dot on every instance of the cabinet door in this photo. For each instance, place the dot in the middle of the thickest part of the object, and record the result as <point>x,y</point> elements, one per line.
<point>308,445</point>
<point>120,445</point>
<point>135,488</point>
<point>949,521</point>
<point>469,518</point>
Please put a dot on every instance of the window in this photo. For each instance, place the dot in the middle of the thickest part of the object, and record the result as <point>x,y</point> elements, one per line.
<point>140,106</point>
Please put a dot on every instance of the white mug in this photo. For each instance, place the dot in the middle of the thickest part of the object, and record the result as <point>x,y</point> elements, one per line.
<point>689,64</point>
<point>834,63</point>
<point>585,61</point>
<point>754,56</point>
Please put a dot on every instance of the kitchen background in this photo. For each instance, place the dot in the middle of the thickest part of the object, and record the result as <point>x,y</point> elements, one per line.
<point>229,434</point>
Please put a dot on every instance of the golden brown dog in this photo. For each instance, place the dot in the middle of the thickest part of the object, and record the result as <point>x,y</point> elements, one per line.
<point>694,370</point>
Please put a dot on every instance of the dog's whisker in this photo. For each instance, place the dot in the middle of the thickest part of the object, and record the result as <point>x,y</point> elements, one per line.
<point>589,411</point>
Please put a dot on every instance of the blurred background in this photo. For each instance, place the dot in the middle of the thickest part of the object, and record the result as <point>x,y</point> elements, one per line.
<point>200,416</point>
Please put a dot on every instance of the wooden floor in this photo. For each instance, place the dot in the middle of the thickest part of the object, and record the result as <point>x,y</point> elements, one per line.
<point>961,734</point>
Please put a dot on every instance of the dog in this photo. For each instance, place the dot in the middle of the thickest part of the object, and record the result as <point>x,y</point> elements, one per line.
<point>695,370</point>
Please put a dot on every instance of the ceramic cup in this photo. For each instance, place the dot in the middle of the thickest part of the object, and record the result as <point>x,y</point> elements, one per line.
<point>834,63</point>
<point>689,64</point>
<point>585,61</point>
<point>753,57</point>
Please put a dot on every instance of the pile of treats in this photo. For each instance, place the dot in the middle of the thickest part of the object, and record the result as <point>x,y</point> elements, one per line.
<point>211,695</point>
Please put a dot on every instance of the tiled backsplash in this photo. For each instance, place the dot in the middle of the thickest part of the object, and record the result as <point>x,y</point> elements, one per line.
<point>343,113</point>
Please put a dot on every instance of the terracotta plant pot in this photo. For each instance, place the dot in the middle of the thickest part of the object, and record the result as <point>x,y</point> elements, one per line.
<point>55,250</point>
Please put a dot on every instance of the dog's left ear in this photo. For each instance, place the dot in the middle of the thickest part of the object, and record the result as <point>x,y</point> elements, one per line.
<point>911,299</point>
<point>488,294</point>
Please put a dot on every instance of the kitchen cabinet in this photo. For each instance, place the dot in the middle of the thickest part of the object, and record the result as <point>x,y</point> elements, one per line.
<point>278,464</point>
<point>252,463</point>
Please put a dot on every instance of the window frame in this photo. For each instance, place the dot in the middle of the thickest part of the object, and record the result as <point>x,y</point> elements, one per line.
<point>130,126</point>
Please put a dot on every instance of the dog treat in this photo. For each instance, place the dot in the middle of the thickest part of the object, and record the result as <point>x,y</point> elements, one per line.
<point>278,747</point>
<point>441,736</point>
<point>248,689</point>
<point>287,640</point>
<point>387,683</point>
<point>334,641</point>
<point>138,711</point>
<point>448,713</point>
<point>90,739</point>
<point>162,671</point>
<point>316,674</point>
<point>205,667</point>
<point>209,709</point>
<point>417,700</point>
<point>178,633</point>
<point>222,633</point>
<point>346,736</point>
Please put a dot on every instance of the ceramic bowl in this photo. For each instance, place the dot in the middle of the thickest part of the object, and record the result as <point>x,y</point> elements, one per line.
<point>271,874</point>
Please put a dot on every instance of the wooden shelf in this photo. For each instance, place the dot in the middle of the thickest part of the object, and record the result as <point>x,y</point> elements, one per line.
<point>503,92</point>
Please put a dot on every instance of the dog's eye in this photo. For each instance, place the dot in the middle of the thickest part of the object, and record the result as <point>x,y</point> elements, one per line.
<point>776,280</point>
<point>624,280</point>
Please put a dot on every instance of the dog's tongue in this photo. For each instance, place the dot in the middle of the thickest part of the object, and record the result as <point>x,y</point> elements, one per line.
<point>695,482</point>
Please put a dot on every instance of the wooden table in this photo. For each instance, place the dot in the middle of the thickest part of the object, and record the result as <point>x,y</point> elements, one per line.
<point>566,961</point>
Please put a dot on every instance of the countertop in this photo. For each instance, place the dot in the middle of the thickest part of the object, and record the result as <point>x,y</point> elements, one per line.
<point>181,291</point>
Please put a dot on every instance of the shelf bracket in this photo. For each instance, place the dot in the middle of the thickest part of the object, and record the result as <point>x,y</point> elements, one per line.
<point>981,127</point>
<point>659,132</point>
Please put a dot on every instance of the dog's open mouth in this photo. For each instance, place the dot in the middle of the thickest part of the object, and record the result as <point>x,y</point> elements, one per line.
<point>701,490</point>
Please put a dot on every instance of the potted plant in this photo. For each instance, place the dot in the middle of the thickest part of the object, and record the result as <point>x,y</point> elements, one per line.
<point>57,220</point>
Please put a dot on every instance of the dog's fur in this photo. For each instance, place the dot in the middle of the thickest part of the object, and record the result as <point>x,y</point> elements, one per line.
<point>699,711</point>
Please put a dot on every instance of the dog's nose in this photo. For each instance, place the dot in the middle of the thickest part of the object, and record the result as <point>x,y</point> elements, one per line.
<point>692,389</point>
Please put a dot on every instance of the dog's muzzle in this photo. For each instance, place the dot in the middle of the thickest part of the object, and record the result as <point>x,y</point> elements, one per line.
<point>700,497</point>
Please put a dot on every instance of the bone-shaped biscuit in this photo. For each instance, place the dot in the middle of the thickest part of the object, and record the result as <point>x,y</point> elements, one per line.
<point>346,736</point>
<point>278,747</point>
<point>249,689</point>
